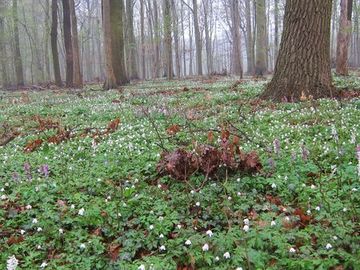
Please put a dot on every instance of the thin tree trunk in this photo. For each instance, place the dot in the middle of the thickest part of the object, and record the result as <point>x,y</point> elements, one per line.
<point>132,68</point>
<point>197,39</point>
<point>303,67</point>
<point>183,39</point>
<point>142,34</point>
<point>68,44</point>
<point>54,47</point>
<point>250,42</point>
<point>343,39</point>
<point>176,39</point>
<point>78,81</point>
<point>168,39</point>
<point>236,47</point>
<point>3,54</point>
<point>276,30</point>
<point>209,56</point>
<point>17,54</point>
<point>260,64</point>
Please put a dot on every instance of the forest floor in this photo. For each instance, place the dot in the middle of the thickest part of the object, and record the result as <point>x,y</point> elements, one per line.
<point>82,187</point>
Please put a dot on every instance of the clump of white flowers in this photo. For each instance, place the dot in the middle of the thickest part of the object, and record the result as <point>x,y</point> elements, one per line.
<point>227,255</point>
<point>12,263</point>
<point>205,247</point>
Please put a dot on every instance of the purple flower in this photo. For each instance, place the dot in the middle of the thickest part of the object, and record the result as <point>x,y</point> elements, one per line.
<point>276,146</point>
<point>15,176</point>
<point>304,152</point>
<point>271,163</point>
<point>27,169</point>
<point>44,169</point>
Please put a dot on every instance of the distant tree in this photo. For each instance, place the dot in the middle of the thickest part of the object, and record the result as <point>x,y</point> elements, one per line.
<point>198,42</point>
<point>142,37</point>
<point>17,54</point>
<point>250,52</point>
<point>303,65</point>
<point>236,39</point>
<point>69,54</point>
<point>261,54</point>
<point>3,53</point>
<point>54,39</point>
<point>343,38</point>
<point>168,39</point>
<point>132,64</point>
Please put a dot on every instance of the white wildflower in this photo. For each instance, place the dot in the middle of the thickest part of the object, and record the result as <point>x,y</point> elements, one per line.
<point>246,221</point>
<point>273,186</point>
<point>188,242</point>
<point>205,247</point>
<point>34,221</point>
<point>209,233</point>
<point>328,246</point>
<point>227,255</point>
<point>273,223</point>
<point>141,267</point>
<point>12,263</point>
<point>151,227</point>
<point>246,228</point>
<point>292,250</point>
<point>43,265</point>
<point>82,246</point>
<point>81,212</point>
<point>162,248</point>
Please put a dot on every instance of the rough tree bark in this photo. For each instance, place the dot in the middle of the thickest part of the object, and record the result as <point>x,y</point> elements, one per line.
<point>17,54</point>
<point>78,81</point>
<point>343,38</point>
<point>261,56</point>
<point>303,65</point>
<point>110,81</point>
<point>68,43</point>
<point>117,41</point>
<point>54,46</point>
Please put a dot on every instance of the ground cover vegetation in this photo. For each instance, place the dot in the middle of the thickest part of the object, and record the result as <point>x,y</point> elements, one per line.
<point>196,174</point>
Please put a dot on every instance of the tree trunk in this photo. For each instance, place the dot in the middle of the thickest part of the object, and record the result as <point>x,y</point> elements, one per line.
<point>117,41</point>
<point>236,42</point>
<point>183,39</point>
<point>343,39</point>
<point>249,40</point>
<point>176,38</point>
<point>3,54</point>
<point>68,44</point>
<point>78,81</point>
<point>198,44</point>
<point>132,67</point>
<point>157,40</point>
<point>303,65</point>
<point>142,34</point>
<point>168,40</point>
<point>54,47</point>
<point>110,81</point>
<point>260,64</point>
<point>276,30</point>
<point>209,58</point>
<point>17,54</point>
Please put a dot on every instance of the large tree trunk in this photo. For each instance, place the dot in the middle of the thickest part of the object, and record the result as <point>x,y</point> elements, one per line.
<point>17,54</point>
<point>261,56</point>
<point>157,40</point>
<point>78,81</point>
<point>236,47</point>
<point>276,30</point>
<point>198,44</point>
<point>3,54</point>
<point>343,39</point>
<point>54,47</point>
<point>303,65</point>
<point>68,44</point>
<point>110,81</point>
<point>117,41</point>
<point>168,39</point>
